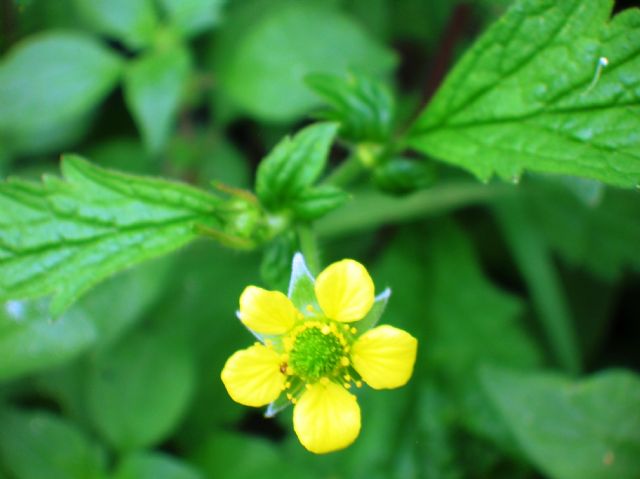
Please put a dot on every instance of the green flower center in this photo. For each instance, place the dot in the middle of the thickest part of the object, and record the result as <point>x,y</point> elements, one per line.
<point>315,354</point>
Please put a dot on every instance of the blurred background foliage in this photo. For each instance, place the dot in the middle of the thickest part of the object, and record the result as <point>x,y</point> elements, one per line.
<point>502,284</point>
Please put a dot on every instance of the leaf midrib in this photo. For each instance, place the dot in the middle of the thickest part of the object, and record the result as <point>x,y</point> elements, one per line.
<point>141,226</point>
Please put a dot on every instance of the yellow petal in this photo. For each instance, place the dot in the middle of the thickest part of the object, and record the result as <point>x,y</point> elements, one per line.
<point>266,312</point>
<point>252,376</point>
<point>384,357</point>
<point>345,291</point>
<point>326,418</point>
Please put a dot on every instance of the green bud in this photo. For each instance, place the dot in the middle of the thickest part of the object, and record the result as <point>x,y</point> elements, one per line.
<point>400,176</point>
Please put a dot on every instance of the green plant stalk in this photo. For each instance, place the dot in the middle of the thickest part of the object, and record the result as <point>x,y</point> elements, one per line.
<point>536,266</point>
<point>345,174</point>
<point>369,209</point>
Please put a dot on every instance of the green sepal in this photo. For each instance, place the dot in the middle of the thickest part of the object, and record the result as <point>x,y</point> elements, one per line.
<point>374,314</point>
<point>302,285</point>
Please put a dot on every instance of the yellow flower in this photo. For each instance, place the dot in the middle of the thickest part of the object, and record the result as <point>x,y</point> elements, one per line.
<point>314,345</point>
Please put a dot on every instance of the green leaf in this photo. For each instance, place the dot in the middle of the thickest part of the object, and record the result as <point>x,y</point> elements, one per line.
<point>317,202</point>
<point>440,452</point>
<point>64,236</point>
<point>533,258</point>
<point>225,456</point>
<point>363,106</point>
<point>267,48</point>
<point>461,315</point>
<point>191,17</point>
<point>153,86</point>
<point>134,22</point>
<point>533,94</point>
<point>137,290</point>
<point>153,465</point>
<point>602,237</point>
<point>49,82</point>
<point>30,341</point>
<point>482,312</point>
<point>125,154</point>
<point>572,429</point>
<point>39,445</point>
<point>293,165</point>
<point>139,389</point>
<point>201,308</point>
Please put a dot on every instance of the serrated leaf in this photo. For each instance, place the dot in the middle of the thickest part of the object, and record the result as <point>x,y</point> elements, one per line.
<point>534,93</point>
<point>155,465</point>
<point>191,17</point>
<point>153,86</point>
<point>293,165</point>
<point>316,202</point>
<point>65,235</point>
<point>133,22</point>
<point>262,40</point>
<point>49,82</point>
<point>572,429</point>
<point>147,411</point>
<point>363,106</point>
<point>37,445</point>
